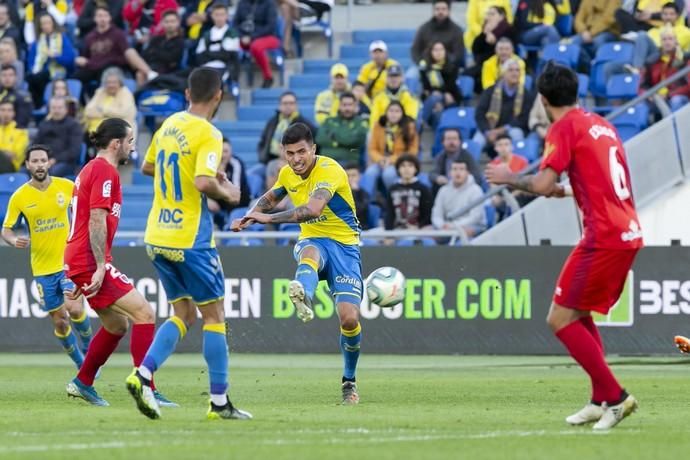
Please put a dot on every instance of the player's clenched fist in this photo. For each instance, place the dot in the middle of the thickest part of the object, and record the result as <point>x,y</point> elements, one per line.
<point>21,242</point>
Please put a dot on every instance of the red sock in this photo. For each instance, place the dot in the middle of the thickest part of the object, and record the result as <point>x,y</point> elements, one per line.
<point>585,350</point>
<point>102,346</point>
<point>588,322</point>
<point>142,337</point>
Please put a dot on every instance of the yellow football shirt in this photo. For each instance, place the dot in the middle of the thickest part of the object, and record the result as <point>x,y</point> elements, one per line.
<point>185,146</point>
<point>339,218</point>
<point>46,213</point>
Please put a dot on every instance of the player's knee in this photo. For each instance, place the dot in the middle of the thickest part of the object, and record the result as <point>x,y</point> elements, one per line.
<point>145,315</point>
<point>349,318</point>
<point>74,308</point>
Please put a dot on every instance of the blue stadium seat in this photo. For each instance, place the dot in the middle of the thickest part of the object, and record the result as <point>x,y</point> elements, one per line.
<point>308,24</point>
<point>370,242</point>
<point>256,112</point>
<point>309,80</point>
<point>159,103</point>
<point>582,85</point>
<point>406,242</point>
<point>324,65</point>
<point>529,82</point>
<point>373,215</point>
<point>567,54</point>
<point>456,117</point>
<point>287,228</point>
<point>4,199</point>
<point>10,182</point>
<point>271,96</point>
<point>632,121</point>
<point>361,51</point>
<point>472,147</point>
<point>627,132</point>
<point>528,148</point>
<point>564,24</point>
<point>367,185</point>
<point>621,52</point>
<point>390,36</point>
<point>622,86</point>
<point>132,224</point>
<point>73,86</point>
<point>136,192</point>
<point>423,179</point>
<point>466,85</point>
<point>135,208</point>
<point>141,179</point>
<point>256,185</point>
<point>242,242</point>
<point>490,212</point>
<point>130,84</point>
<point>230,129</point>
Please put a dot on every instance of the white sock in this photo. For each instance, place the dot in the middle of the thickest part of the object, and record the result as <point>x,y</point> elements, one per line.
<point>144,372</point>
<point>219,400</point>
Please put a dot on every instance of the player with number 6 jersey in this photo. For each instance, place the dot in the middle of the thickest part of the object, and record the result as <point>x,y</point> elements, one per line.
<point>588,148</point>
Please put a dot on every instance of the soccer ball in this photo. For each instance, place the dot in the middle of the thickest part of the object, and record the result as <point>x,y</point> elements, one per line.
<point>386,287</point>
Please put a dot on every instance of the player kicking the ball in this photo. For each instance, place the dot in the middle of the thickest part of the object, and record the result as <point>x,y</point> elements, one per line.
<point>328,246</point>
<point>586,147</point>
<point>96,206</point>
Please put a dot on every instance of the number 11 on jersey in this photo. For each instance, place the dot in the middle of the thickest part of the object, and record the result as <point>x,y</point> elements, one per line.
<point>173,165</point>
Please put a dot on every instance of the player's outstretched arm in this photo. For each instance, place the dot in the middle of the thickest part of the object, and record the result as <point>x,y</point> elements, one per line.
<point>313,209</point>
<point>265,203</point>
<point>545,182</point>
<point>14,240</point>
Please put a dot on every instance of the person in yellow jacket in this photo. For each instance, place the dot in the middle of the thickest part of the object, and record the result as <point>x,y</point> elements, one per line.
<point>639,15</point>
<point>13,140</point>
<point>328,101</point>
<point>394,91</point>
<point>671,17</point>
<point>476,12</point>
<point>595,24</point>
<point>56,8</point>
<point>373,73</point>
<point>491,69</point>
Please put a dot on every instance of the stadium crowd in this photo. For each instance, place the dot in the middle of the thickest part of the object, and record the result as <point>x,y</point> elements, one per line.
<point>65,66</point>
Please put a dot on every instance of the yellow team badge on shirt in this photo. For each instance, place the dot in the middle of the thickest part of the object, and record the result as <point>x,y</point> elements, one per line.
<point>60,197</point>
<point>548,149</point>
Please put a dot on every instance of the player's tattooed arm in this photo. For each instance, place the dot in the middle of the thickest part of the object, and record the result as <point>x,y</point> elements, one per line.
<point>545,182</point>
<point>313,209</point>
<point>98,233</point>
<point>269,200</point>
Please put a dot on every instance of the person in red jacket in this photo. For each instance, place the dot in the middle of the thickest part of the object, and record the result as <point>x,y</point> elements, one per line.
<point>670,61</point>
<point>144,17</point>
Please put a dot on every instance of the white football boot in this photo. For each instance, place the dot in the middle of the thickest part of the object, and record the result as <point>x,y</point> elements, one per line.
<point>614,414</point>
<point>301,301</point>
<point>588,414</point>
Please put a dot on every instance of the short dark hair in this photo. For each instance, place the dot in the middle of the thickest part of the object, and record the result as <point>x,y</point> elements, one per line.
<point>359,83</point>
<point>203,84</point>
<point>8,67</point>
<point>558,84</point>
<point>36,147</point>
<point>503,136</point>
<point>351,166</point>
<point>218,6</point>
<point>502,11</point>
<point>287,93</point>
<point>170,12</point>
<point>671,5</point>
<point>102,7</point>
<point>447,2</point>
<point>347,94</point>
<point>7,101</point>
<point>460,160</point>
<point>226,141</point>
<point>109,129</point>
<point>457,130</point>
<point>297,132</point>
<point>407,158</point>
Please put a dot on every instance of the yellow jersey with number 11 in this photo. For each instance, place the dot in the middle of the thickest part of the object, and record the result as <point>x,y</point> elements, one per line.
<point>185,146</point>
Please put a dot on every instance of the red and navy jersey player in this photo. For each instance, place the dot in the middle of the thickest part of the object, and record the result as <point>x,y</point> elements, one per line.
<point>96,207</point>
<point>588,149</point>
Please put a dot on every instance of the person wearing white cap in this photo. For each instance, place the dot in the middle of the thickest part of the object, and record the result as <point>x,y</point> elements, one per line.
<point>327,101</point>
<point>373,73</point>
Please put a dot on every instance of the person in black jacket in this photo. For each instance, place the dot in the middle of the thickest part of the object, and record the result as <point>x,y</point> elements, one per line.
<point>256,21</point>
<point>63,134</point>
<point>86,22</point>
<point>440,89</point>
<point>234,169</point>
<point>8,28</point>
<point>287,114</point>
<point>23,105</point>
<point>452,150</point>
<point>503,108</point>
<point>219,46</point>
<point>440,28</point>
<point>534,22</point>
<point>409,201</point>
<point>163,53</point>
<point>361,197</point>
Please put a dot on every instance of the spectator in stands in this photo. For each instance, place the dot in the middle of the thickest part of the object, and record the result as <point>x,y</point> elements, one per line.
<point>163,53</point>
<point>256,21</point>
<point>8,56</point>
<point>491,69</point>
<point>63,134</point>
<point>289,11</point>
<point>496,26</point>
<point>344,136</point>
<point>235,171</point>
<point>363,101</point>
<point>33,10</point>
<point>61,89</point>
<point>392,136</point>
<point>456,195</point>
<point>112,100</point>
<point>23,107</point>
<point>269,147</point>
<point>476,12</point>
<point>408,206</point>
<point>453,150</point>
<point>516,163</point>
<point>219,47</point>
<point>373,74</point>
<point>639,15</point>
<point>670,61</point>
<point>539,120</point>
<point>197,18</point>
<point>440,28</point>
<point>8,29</point>
<point>439,80</point>
<point>503,108</point>
<point>13,140</point>
<point>144,18</point>
<point>395,90</point>
<point>671,17</point>
<point>50,57</point>
<point>273,169</point>
<point>327,101</point>
<point>87,19</point>
<point>595,24</point>
<point>104,47</point>
<point>534,22</point>
<point>361,197</point>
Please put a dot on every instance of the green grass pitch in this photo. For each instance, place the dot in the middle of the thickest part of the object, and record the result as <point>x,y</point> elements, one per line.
<point>422,407</point>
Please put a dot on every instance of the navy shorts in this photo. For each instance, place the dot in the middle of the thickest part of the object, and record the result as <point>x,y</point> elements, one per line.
<point>195,274</point>
<point>51,290</point>
<point>340,265</point>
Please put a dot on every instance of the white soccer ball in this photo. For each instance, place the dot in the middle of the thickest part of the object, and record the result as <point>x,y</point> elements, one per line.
<point>386,287</point>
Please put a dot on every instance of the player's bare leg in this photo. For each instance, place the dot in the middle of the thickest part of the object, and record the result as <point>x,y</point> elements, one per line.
<point>614,403</point>
<point>215,351</point>
<point>301,289</point>
<point>80,320</point>
<point>682,343</point>
<point>350,338</point>
<point>63,332</point>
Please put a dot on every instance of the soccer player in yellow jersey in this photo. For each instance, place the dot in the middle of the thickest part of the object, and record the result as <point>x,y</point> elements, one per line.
<point>44,203</point>
<point>328,246</point>
<point>183,158</point>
